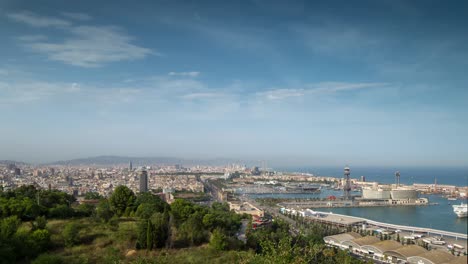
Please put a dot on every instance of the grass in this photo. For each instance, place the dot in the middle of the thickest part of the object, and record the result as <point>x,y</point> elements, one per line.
<point>99,242</point>
<point>195,255</point>
<point>104,243</point>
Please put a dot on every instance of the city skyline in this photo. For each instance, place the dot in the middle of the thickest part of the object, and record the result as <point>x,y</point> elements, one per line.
<point>303,83</point>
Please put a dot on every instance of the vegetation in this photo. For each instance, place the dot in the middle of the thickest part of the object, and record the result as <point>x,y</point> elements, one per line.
<point>130,228</point>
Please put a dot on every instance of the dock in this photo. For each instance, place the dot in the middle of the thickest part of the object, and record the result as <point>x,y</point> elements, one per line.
<point>345,203</point>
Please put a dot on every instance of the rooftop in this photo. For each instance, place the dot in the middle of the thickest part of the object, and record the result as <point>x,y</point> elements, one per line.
<point>434,256</point>
<point>406,251</point>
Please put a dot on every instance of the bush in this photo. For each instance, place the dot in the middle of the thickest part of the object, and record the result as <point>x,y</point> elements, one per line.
<point>61,211</point>
<point>47,259</point>
<point>39,223</point>
<point>40,239</point>
<point>70,234</point>
<point>218,240</point>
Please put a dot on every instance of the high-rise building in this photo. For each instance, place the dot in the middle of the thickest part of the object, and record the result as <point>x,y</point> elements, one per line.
<point>363,178</point>
<point>131,165</point>
<point>143,181</point>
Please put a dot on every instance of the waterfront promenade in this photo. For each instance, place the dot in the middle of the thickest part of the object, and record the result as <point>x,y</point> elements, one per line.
<point>339,218</point>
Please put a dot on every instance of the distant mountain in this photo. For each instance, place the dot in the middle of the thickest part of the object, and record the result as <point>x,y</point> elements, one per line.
<point>141,161</point>
<point>6,162</point>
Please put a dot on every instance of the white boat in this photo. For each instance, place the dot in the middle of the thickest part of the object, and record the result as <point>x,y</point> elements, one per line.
<point>460,210</point>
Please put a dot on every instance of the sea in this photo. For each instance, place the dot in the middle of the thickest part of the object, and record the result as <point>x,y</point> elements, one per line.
<point>439,216</point>
<point>457,176</point>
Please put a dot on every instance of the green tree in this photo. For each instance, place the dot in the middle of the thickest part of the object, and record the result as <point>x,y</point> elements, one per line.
<point>85,210</point>
<point>39,223</point>
<point>192,232</point>
<point>93,196</point>
<point>122,200</point>
<point>70,234</point>
<point>142,228</point>
<point>181,210</point>
<point>149,235</point>
<point>218,240</point>
<point>8,227</point>
<point>40,240</point>
<point>103,210</point>
<point>160,223</point>
<point>61,211</point>
<point>146,210</point>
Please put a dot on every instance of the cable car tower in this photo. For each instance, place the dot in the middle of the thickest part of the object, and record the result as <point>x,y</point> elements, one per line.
<point>347,186</point>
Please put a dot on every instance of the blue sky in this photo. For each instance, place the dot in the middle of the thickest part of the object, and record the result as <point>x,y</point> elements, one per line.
<point>293,83</point>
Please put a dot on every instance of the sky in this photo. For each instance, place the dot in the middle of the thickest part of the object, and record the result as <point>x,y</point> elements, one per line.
<point>367,83</point>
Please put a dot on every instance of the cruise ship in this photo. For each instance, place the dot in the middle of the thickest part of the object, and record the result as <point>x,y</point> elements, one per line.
<point>461,210</point>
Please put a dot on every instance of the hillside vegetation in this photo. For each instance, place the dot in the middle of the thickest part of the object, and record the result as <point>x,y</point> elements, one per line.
<point>43,226</point>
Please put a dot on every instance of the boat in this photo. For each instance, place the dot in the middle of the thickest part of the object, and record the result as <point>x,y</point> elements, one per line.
<point>452,198</point>
<point>460,210</point>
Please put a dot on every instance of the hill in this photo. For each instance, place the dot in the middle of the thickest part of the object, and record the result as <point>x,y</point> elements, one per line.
<point>141,161</point>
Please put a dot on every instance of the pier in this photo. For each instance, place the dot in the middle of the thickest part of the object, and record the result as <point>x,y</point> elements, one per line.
<point>345,203</point>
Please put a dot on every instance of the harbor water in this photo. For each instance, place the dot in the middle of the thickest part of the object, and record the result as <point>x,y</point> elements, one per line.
<point>439,216</point>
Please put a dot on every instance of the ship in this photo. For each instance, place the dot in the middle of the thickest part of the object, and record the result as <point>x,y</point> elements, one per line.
<point>460,210</point>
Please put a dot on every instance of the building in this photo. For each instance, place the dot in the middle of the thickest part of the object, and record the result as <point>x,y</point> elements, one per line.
<point>143,181</point>
<point>405,252</point>
<point>390,251</point>
<point>245,208</point>
<point>432,257</point>
<point>338,240</point>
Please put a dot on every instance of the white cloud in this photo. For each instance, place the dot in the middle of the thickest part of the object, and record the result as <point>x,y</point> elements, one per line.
<point>29,91</point>
<point>201,95</point>
<point>317,89</point>
<point>279,94</point>
<point>333,87</point>
<point>91,46</point>
<point>188,74</point>
<point>77,16</point>
<point>38,21</point>
<point>85,46</point>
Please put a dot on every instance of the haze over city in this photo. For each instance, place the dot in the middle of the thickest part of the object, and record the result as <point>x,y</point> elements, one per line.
<point>292,83</point>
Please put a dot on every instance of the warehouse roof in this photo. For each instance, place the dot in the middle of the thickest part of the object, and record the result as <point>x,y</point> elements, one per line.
<point>383,246</point>
<point>406,251</point>
<point>433,257</point>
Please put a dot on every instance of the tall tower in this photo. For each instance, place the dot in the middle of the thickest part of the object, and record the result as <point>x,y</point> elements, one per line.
<point>131,166</point>
<point>397,178</point>
<point>143,181</point>
<point>347,187</point>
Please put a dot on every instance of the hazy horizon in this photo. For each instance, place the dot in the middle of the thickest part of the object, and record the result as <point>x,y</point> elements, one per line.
<point>365,83</point>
